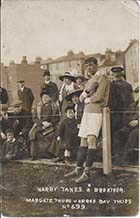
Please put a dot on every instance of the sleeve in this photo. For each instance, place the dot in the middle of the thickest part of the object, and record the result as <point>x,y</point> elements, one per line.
<point>31,96</point>
<point>35,118</point>
<point>56,92</point>
<point>6,96</point>
<point>100,93</point>
<point>55,113</point>
<point>61,131</point>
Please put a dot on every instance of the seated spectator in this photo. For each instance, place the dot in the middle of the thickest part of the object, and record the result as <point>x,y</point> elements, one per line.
<point>45,119</point>
<point>21,121</point>
<point>68,134</point>
<point>3,96</point>
<point>9,149</point>
<point>6,122</point>
<point>126,139</point>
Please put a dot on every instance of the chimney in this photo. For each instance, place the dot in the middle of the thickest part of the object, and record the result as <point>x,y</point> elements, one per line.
<point>38,60</point>
<point>24,60</point>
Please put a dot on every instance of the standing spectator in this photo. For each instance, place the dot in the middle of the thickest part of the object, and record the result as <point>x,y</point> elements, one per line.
<point>3,96</point>
<point>121,96</point>
<point>73,97</point>
<point>25,95</point>
<point>95,97</point>
<point>68,85</point>
<point>56,148</point>
<point>80,82</point>
<point>68,134</point>
<point>50,86</point>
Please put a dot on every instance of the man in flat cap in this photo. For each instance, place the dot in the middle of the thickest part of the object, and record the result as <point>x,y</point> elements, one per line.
<point>95,96</point>
<point>50,86</point>
<point>121,96</point>
<point>25,95</point>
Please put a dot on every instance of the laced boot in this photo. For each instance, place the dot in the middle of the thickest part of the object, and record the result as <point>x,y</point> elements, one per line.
<point>85,177</point>
<point>76,172</point>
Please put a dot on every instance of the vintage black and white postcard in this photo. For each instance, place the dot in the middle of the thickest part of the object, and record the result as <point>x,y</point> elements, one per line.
<point>69,106</point>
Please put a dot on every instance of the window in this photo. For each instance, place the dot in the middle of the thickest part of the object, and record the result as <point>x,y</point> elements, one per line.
<point>69,64</point>
<point>57,66</point>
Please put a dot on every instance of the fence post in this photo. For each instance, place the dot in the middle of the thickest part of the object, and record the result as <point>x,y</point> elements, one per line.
<point>106,136</point>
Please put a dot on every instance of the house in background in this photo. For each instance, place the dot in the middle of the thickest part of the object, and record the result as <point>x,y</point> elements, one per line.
<point>131,55</point>
<point>30,73</point>
<point>111,59</point>
<point>74,62</point>
<point>71,62</point>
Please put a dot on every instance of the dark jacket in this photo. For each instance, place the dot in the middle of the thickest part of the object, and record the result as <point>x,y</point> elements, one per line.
<point>9,150</point>
<point>52,89</point>
<point>27,98</point>
<point>68,132</point>
<point>121,95</point>
<point>68,128</point>
<point>21,122</point>
<point>6,123</point>
<point>132,113</point>
<point>3,96</point>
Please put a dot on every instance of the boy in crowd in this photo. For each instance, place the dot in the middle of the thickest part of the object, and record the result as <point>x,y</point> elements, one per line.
<point>6,122</point>
<point>9,150</point>
<point>68,133</point>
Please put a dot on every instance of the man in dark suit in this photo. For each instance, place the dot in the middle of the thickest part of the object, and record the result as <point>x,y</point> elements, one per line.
<point>25,95</point>
<point>50,86</point>
<point>121,96</point>
<point>3,96</point>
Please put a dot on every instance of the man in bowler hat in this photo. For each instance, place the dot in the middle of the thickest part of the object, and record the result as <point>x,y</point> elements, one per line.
<point>50,86</point>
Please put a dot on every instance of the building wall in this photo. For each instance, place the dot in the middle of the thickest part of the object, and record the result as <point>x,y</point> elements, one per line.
<point>58,68</point>
<point>132,63</point>
<point>32,74</point>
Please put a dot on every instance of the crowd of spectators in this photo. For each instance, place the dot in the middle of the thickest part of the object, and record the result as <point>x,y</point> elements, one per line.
<point>51,128</point>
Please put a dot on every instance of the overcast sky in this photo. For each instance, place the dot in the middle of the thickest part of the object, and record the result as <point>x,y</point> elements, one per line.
<point>49,28</point>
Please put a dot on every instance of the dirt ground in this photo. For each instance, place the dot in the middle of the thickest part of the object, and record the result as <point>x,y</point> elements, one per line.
<point>40,190</point>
